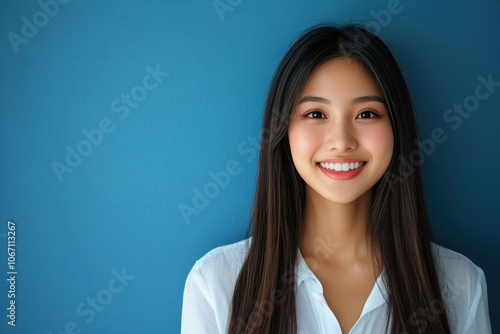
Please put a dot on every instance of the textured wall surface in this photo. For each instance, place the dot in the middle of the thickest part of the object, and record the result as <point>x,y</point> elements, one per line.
<point>117,116</point>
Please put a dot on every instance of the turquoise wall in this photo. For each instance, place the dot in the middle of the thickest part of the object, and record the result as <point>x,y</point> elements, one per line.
<point>117,117</point>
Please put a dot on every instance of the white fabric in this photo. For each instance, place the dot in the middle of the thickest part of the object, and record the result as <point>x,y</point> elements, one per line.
<point>209,288</point>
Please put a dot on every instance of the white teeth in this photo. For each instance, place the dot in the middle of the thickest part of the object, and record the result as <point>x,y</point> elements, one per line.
<point>341,167</point>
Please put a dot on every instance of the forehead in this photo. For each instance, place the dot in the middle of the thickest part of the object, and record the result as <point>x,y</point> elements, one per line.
<point>341,77</point>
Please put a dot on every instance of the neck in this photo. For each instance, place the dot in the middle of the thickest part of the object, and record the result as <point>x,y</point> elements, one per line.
<point>335,232</point>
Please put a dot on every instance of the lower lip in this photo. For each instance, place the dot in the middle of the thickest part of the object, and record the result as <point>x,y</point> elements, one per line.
<point>347,175</point>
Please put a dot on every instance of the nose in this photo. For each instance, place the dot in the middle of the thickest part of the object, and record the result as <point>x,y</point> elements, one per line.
<point>340,137</point>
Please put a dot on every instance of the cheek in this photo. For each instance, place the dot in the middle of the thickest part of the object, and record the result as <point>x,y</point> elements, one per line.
<point>303,140</point>
<point>380,142</point>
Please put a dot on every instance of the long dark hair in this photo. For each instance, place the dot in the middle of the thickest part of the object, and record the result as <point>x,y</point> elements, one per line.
<point>264,295</point>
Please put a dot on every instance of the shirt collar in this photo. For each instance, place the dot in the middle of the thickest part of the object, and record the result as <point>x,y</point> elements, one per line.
<point>302,270</point>
<point>378,296</point>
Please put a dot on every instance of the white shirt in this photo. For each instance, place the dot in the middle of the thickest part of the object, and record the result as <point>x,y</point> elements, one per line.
<point>209,289</point>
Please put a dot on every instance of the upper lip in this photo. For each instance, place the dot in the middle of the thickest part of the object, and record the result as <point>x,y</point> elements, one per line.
<point>341,160</point>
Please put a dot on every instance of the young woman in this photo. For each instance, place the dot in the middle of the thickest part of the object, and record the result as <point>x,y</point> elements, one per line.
<point>340,239</point>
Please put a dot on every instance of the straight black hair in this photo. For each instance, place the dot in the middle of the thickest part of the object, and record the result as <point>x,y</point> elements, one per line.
<point>264,295</point>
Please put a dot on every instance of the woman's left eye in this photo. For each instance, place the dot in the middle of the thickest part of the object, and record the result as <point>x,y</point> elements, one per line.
<point>367,114</point>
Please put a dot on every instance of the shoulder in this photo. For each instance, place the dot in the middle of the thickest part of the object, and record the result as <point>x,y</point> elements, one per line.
<point>228,258</point>
<point>209,288</point>
<point>456,267</point>
<point>463,287</point>
<point>219,268</point>
<point>459,276</point>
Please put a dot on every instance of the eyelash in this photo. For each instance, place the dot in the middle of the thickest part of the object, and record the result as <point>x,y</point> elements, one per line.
<point>313,112</point>
<point>364,111</point>
<point>371,112</point>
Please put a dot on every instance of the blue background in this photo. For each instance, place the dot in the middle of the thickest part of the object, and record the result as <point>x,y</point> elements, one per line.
<point>119,208</point>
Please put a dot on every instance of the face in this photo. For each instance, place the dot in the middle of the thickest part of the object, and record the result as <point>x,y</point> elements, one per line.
<point>340,134</point>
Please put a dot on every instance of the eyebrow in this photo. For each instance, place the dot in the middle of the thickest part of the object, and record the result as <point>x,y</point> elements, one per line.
<point>368,98</point>
<point>361,99</point>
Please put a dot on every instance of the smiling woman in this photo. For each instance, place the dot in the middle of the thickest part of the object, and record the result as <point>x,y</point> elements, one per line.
<point>337,246</point>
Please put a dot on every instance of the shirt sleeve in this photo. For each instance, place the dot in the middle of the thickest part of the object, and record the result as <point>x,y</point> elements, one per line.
<point>478,319</point>
<point>198,315</point>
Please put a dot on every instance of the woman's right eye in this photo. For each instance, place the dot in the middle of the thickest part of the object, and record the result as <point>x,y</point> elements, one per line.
<point>315,114</point>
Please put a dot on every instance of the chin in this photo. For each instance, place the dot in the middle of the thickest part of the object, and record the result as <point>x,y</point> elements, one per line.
<point>342,199</point>
<point>341,196</point>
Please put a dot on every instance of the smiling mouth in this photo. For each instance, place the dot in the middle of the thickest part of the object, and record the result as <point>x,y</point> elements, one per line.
<point>341,167</point>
